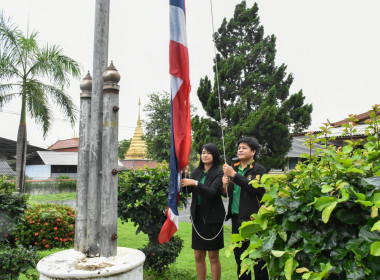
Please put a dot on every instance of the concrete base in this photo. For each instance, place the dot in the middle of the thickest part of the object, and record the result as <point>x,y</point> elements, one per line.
<point>71,264</point>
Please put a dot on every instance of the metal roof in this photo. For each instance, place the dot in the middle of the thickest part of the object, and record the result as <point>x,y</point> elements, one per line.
<point>59,158</point>
<point>6,169</point>
<point>299,148</point>
<point>62,158</point>
<point>8,147</point>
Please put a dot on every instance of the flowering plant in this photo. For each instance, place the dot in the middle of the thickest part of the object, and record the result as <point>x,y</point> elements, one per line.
<point>47,226</point>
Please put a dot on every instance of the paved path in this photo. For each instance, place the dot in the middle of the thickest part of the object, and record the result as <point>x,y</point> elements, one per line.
<point>184,214</point>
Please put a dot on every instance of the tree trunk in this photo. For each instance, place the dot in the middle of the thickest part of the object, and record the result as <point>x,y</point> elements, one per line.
<point>21,157</point>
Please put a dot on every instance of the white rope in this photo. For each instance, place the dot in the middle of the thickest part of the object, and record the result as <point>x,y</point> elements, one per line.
<point>221,126</point>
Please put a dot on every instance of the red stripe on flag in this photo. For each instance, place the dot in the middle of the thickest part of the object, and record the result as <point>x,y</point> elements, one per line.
<point>182,125</point>
<point>168,229</point>
<point>179,61</point>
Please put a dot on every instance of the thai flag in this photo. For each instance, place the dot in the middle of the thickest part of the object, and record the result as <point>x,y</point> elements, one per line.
<point>180,113</point>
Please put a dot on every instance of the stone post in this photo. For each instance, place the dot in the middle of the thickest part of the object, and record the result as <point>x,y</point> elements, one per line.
<point>83,160</point>
<point>109,186</point>
<point>102,8</point>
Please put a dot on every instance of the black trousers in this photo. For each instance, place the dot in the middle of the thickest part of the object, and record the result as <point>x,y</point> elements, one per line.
<point>260,274</point>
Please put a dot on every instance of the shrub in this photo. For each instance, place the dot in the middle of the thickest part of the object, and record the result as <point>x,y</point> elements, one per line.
<point>67,184</point>
<point>143,198</point>
<point>159,258</point>
<point>324,224</point>
<point>16,260</point>
<point>47,226</point>
<point>281,179</point>
<point>12,209</point>
<point>13,259</point>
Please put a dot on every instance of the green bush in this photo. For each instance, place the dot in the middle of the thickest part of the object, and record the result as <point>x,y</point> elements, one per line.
<point>12,209</point>
<point>324,224</point>
<point>47,226</point>
<point>143,198</point>
<point>159,258</point>
<point>16,260</point>
<point>13,259</point>
<point>281,179</point>
<point>67,184</point>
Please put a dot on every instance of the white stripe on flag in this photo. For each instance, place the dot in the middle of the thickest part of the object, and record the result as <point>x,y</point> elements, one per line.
<point>173,217</point>
<point>178,25</point>
<point>175,84</point>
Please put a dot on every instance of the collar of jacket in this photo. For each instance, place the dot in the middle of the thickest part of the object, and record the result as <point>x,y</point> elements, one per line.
<point>250,166</point>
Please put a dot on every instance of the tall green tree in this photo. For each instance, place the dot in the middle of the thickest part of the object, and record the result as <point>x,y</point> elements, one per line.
<point>157,126</point>
<point>255,98</point>
<point>37,75</point>
<point>123,147</point>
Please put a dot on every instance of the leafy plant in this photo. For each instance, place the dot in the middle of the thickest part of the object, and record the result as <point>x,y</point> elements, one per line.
<point>47,226</point>
<point>143,200</point>
<point>13,259</point>
<point>12,209</point>
<point>158,258</point>
<point>324,223</point>
<point>16,260</point>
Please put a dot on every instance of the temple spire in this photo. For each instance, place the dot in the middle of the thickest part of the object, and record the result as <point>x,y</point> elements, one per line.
<point>138,120</point>
<point>137,149</point>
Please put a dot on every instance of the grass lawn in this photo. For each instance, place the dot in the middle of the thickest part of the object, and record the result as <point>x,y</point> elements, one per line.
<point>183,268</point>
<point>51,197</point>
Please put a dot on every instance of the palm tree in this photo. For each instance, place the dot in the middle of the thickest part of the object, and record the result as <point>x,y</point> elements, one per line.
<point>37,75</point>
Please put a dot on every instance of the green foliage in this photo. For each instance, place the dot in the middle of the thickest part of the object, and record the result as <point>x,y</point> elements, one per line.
<point>123,148</point>
<point>17,260</point>
<point>158,258</point>
<point>67,184</point>
<point>143,198</point>
<point>37,75</point>
<point>157,126</point>
<point>12,209</point>
<point>47,226</point>
<point>254,92</point>
<point>13,259</point>
<point>324,223</point>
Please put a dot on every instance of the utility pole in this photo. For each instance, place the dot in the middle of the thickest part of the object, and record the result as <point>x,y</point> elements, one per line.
<point>102,8</point>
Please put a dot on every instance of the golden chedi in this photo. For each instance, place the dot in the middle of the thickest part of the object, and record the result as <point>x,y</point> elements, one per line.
<point>137,149</point>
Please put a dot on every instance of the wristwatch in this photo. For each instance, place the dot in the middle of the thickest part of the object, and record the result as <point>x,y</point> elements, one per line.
<point>196,183</point>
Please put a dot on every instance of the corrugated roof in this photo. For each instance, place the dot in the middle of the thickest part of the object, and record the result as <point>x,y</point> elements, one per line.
<point>6,169</point>
<point>299,148</point>
<point>8,147</point>
<point>339,131</point>
<point>62,158</point>
<point>64,144</point>
<point>59,158</point>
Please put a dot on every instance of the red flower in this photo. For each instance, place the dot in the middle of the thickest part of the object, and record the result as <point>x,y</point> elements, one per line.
<point>47,246</point>
<point>36,234</point>
<point>16,238</point>
<point>55,228</point>
<point>35,243</point>
<point>58,220</point>
<point>46,224</point>
<point>56,238</point>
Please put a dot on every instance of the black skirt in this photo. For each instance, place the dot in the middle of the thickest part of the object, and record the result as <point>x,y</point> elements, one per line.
<point>207,231</point>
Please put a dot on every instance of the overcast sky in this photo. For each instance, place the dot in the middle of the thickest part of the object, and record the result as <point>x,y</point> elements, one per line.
<point>332,48</point>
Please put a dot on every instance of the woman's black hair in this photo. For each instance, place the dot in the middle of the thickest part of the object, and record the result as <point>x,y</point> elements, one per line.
<point>252,143</point>
<point>214,151</point>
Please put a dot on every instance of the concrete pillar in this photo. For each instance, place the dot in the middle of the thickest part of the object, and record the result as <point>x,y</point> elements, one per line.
<point>83,161</point>
<point>102,8</point>
<point>108,221</point>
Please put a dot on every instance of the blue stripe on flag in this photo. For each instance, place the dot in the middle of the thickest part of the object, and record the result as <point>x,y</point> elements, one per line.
<point>178,3</point>
<point>173,189</point>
